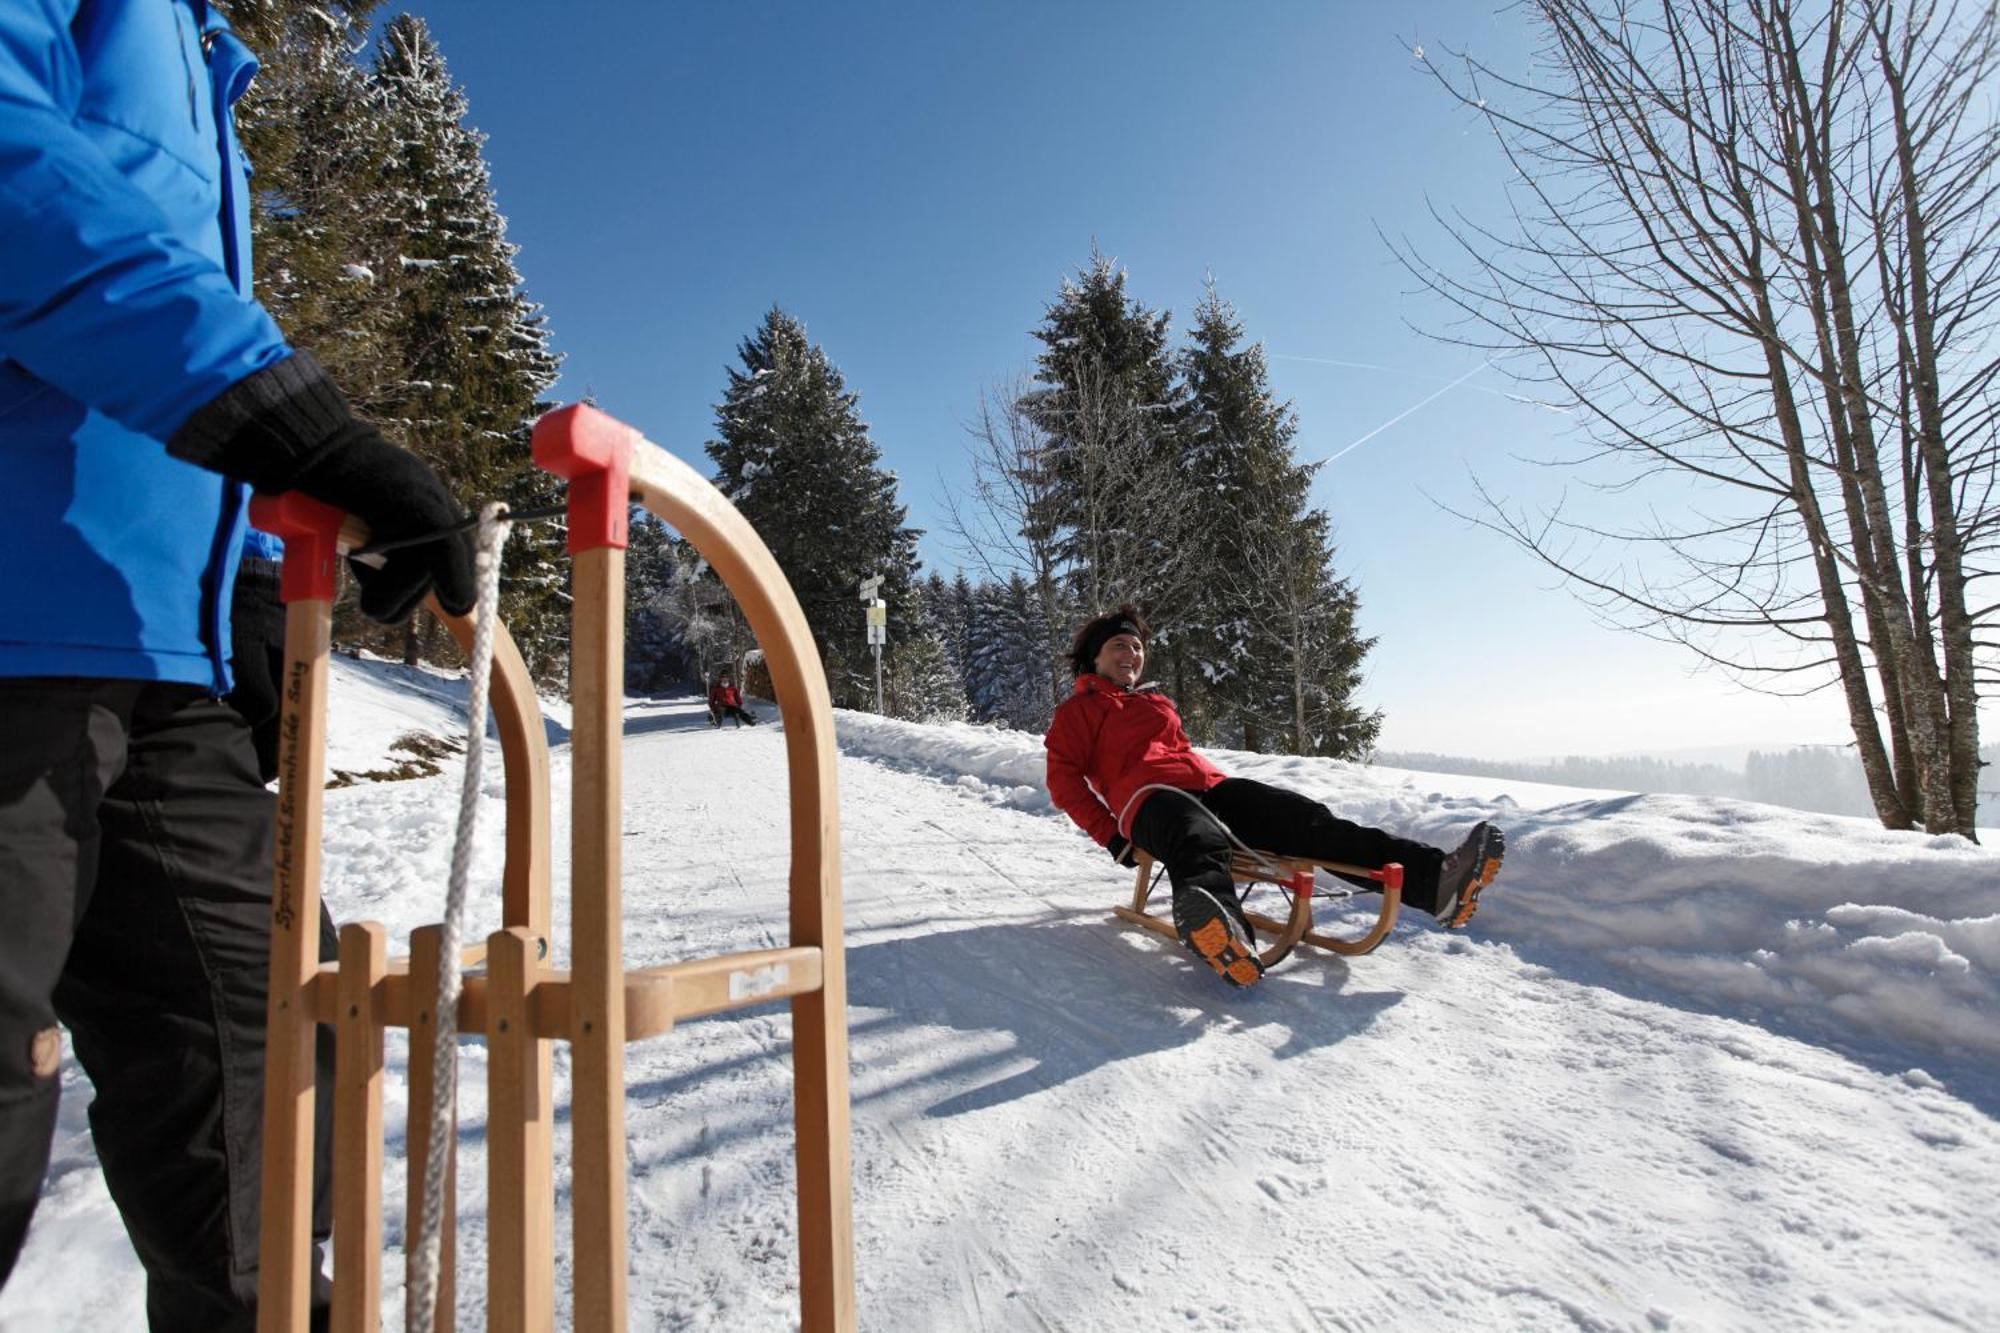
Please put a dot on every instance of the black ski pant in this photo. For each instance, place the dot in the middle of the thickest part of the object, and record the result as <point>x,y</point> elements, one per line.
<point>1179,829</point>
<point>135,907</point>
<point>716,715</point>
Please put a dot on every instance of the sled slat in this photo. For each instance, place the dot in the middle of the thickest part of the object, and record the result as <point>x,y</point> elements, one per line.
<point>655,997</point>
<point>520,1168</point>
<point>426,961</point>
<point>357,1126</point>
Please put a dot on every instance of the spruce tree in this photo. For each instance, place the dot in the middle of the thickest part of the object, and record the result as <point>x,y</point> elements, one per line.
<point>793,454</point>
<point>1239,453</point>
<point>958,618</point>
<point>923,686</point>
<point>1272,627</point>
<point>379,248</point>
<point>978,670</point>
<point>1306,612</point>
<point>311,127</point>
<point>1007,674</point>
<point>945,614</point>
<point>1108,399</point>
<point>1117,508</point>
<point>473,357</point>
<point>653,660</point>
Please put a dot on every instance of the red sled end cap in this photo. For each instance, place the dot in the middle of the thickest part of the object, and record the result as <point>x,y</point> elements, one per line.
<point>593,452</point>
<point>311,531</point>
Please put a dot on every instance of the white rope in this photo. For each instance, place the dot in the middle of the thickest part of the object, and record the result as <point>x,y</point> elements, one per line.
<point>421,1307</point>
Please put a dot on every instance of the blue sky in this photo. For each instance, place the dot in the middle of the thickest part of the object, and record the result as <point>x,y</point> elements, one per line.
<point>914,181</point>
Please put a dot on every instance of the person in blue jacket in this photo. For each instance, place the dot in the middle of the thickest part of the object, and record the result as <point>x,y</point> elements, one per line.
<point>143,392</point>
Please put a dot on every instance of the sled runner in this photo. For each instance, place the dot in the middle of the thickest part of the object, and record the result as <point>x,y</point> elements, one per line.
<point>518,1004</point>
<point>1294,878</point>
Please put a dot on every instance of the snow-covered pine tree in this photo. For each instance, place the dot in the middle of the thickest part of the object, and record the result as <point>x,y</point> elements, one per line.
<point>1007,672</point>
<point>1116,508</point>
<point>1251,497</point>
<point>923,686</point>
<point>795,457</point>
<point>985,668</point>
<point>474,359</point>
<point>958,617</point>
<point>928,684</point>
<point>965,607</point>
<point>535,569</point>
<point>1310,609</point>
<point>653,656</point>
<point>311,128</point>
<point>1108,400</point>
<point>945,617</point>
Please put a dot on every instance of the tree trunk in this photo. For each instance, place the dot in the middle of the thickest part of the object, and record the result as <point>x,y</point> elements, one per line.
<point>1961,690</point>
<point>1847,652</point>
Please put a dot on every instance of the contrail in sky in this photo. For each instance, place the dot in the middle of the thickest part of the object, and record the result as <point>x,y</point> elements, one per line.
<point>1391,370</point>
<point>1405,412</point>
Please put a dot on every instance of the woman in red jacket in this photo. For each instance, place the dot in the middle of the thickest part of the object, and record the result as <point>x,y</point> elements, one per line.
<point>1120,765</point>
<point>725,700</point>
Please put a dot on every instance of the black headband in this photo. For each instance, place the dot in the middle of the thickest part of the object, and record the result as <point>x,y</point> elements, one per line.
<point>1108,631</point>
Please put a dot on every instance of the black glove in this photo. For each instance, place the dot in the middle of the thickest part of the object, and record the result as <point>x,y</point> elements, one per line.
<point>287,427</point>
<point>1123,852</point>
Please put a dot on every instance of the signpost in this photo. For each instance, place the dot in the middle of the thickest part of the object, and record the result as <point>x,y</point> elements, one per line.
<point>878,628</point>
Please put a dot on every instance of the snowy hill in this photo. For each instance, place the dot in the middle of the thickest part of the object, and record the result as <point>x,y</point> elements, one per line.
<point>1697,1064</point>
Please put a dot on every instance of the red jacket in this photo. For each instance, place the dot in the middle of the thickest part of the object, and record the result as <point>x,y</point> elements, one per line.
<point>724,696</point>
<point>1106,742</point>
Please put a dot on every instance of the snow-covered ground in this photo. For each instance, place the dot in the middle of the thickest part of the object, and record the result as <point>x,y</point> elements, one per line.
<point>1697,1064</point>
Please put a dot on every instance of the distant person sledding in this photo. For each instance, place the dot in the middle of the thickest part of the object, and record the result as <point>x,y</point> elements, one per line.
<point>1121,767</point>
<point>726,701</point>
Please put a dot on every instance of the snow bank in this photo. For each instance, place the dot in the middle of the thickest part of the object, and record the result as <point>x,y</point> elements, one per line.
<point>1840,929</point>
<point>384,714</point>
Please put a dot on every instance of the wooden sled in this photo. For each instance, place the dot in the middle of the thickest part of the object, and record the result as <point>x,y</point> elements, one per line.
<point>1294,878</point>
<point>519,1005</point>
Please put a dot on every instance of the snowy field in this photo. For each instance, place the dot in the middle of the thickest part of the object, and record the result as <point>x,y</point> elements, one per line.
<point>1697,1064</point>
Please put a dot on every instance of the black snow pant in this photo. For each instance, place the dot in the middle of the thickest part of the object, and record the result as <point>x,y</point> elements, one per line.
<point>135,907</point>
<point>1179,829</point>
<point>716,715</point>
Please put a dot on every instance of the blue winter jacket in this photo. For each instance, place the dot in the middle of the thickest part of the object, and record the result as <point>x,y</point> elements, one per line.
<point>124,306</point>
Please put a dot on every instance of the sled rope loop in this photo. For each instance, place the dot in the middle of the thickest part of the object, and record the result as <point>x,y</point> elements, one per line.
<point>420,1312</point>
<point>1262,859</point>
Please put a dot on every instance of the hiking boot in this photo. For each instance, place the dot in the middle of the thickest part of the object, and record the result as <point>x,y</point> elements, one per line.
<point>1214,928</point>
<point>1467,871</point>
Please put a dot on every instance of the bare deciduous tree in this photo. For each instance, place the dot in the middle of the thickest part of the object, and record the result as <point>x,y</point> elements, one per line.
<point>995,525</point>
<point>1753,248</point>
<point>702,615</point>
<point>1126,513</point>
<point>1100,517</point>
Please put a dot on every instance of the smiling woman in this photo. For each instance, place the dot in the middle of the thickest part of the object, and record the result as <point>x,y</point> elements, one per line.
<point>1120,765</point>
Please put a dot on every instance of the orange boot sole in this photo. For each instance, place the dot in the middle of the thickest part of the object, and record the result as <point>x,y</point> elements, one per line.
<point>1486,875</point>
<point>1215,945</point>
